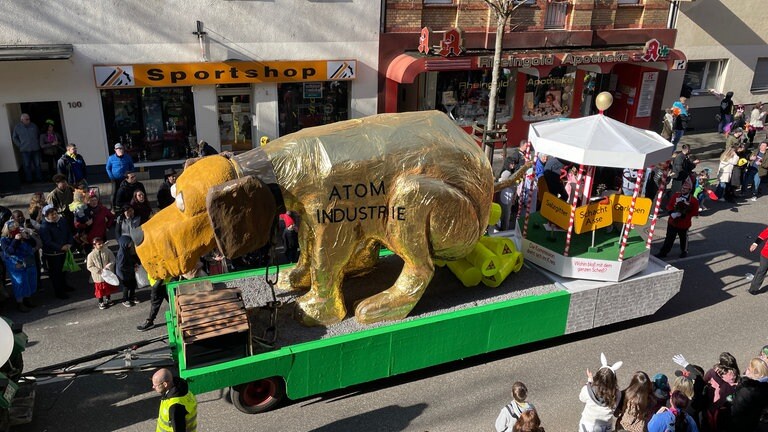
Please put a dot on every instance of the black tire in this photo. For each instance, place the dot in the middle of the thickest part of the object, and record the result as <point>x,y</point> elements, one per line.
<point>258,396</point>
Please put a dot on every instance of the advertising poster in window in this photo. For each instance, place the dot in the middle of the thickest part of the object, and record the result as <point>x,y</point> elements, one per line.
<point>549,97</point>
<point>647,93</point>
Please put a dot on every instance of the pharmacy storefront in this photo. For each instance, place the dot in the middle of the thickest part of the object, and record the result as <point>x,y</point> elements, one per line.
<point>535,84</point>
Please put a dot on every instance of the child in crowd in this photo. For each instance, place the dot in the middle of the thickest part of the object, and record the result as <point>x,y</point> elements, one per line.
<point>82,215</point>
<point>600,396</point>
<point>702,192</point>
<point>511,412</point>
<point>100,259</point>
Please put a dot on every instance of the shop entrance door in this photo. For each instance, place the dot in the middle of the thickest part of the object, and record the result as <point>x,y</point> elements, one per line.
<point>235,125</point>
<point>41,114</point>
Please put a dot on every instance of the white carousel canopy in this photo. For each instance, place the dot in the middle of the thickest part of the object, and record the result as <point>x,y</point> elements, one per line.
<point>599,140</point>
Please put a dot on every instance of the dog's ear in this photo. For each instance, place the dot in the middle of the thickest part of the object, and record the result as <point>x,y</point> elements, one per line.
<point>241,213</point>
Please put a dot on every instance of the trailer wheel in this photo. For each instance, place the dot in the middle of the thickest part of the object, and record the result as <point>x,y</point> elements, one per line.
<point>258,396</point>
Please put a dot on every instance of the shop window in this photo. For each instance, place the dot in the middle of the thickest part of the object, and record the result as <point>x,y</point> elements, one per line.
<point>310,104</point>
<point>549,97</point>
<point>760,79</point>
<point>700,76</point>
<point>438,2</point>
<point>634,2</point>
<point>152,123</point>
<point>463,95</point>
<point>234,108</point>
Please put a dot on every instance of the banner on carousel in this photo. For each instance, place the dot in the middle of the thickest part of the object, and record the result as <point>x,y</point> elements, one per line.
<point>595,215</point>
<point>620,209</point>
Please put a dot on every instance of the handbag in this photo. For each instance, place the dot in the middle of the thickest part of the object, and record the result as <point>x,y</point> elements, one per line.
<point>142,280</point>
<point>69,263</point>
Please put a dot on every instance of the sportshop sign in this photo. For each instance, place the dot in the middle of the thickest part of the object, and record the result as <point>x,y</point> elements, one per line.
<point>193,74</point>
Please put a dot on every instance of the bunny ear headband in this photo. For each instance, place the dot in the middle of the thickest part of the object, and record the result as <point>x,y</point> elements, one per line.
<point>604,363</point>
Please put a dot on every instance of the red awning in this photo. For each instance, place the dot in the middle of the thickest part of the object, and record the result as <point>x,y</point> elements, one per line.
<point>405,67</point>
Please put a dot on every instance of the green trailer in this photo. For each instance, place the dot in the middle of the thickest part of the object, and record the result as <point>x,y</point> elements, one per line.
<point>259,381</point>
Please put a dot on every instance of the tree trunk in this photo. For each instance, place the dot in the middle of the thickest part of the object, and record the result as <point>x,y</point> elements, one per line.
<point>501,23</point>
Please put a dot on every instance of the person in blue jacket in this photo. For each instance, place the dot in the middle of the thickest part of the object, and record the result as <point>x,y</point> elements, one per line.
<point>118,164</point>
<point>674,418</point>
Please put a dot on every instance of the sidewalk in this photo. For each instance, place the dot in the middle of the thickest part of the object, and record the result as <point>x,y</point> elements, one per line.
<point>703,146</point>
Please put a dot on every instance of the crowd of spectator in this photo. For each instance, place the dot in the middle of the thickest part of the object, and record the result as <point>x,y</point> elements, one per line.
<point>718,399</point>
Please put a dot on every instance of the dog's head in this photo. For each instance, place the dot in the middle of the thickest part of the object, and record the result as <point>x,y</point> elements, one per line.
<point>213,208</point>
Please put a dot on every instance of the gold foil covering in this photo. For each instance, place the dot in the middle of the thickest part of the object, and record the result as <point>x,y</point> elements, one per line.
<point>413,182</point>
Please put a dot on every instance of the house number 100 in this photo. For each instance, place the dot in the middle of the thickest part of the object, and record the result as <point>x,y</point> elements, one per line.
<point>76,104</point>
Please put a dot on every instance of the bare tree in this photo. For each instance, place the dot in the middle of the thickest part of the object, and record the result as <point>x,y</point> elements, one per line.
<point>503,9</point>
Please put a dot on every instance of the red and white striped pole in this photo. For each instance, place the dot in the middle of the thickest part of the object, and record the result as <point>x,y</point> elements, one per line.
<point>522,199</point>
<point>656,208</point>
<point>574,203</point>
<point>534,184</point>
<point>628,226</point>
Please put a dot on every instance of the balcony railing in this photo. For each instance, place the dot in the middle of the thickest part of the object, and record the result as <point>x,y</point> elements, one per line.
<point>556,13</point>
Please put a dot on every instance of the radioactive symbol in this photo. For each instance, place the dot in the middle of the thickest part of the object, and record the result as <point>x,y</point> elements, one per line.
<point>506,250</point>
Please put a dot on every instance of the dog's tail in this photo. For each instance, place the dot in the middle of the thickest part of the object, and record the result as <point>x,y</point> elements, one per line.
<point>515,178</point>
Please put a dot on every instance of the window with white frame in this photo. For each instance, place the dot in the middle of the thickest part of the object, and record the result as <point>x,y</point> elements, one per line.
<point>760,79</point>
<point>702,75</point>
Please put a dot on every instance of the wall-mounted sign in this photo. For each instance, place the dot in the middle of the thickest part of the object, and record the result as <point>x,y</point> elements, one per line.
<point>190,74</point>
<point>653,51</point>
<point>647,94</point>
<point>452,43</point>
<point>313,90</point>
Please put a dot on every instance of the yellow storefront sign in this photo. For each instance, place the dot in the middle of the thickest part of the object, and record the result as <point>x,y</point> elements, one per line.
<point>620,208</point>
<point>233,72</point>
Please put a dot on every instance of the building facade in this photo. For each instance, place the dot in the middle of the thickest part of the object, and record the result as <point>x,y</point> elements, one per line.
<point>557,56</point>
<point>157,76</point>
<point>726,43</point>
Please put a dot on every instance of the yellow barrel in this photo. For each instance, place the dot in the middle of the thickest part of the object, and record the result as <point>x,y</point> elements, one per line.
<point>468,274</point>
<point>484,259</point>
<point>501,246</point>
<point>495,215</point>
<point>495,280</point>
<point>517,258</point>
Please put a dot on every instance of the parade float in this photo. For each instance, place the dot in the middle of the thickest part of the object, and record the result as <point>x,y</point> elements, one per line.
<point>384,201</point>
<point>588,243</point>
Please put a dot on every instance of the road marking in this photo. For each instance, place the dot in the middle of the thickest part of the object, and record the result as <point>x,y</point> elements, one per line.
<point>73,323</point>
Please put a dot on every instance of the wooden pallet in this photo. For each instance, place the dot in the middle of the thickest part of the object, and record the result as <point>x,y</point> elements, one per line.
<point>213,318</point>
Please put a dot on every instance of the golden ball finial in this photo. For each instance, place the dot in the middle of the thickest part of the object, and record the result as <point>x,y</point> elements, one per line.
<point>603,101</point>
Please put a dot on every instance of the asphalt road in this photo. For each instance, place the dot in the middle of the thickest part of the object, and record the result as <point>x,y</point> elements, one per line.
<point>712,313</point>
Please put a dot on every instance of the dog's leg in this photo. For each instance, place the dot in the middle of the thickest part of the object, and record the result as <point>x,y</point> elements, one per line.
<point>364,259</point>
<point>324,303</point>
<point>436,218</point>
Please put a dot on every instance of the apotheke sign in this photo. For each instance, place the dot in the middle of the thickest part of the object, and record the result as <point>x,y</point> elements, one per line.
<point>190,74</point>
<point>554,59</point>
<point>652,52</point>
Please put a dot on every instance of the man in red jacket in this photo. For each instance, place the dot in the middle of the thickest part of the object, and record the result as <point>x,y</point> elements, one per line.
<point>757,282</point>
<point>682,207</point>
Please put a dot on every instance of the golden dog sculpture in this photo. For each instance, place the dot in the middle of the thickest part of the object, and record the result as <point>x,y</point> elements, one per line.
<point>413,182</point>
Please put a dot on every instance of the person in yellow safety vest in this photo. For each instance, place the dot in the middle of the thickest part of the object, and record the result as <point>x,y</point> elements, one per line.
<point>178,407</point>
